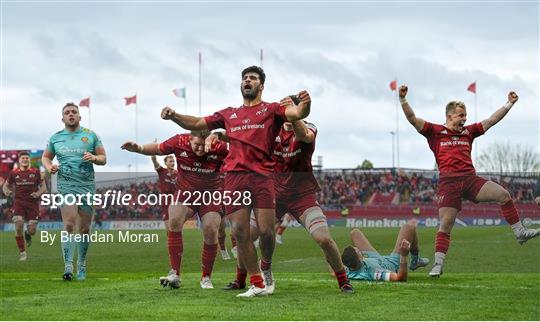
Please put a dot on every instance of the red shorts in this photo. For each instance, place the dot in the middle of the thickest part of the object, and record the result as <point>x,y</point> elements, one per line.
<point>201,206</point>
<point>452,190</point>
<point>29,210</point>
<point>296,206</point>
<point>261,188</point>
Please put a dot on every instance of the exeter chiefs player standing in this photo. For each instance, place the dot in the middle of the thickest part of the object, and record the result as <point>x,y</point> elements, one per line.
<point>77,150</point>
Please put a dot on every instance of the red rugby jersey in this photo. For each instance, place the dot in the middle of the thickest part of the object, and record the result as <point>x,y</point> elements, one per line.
<point>167,179</point>
<point>294,172</point>
<point>452,150</point>
<point>194,172</point>
<point>25,182</point>
<point>252,131</point>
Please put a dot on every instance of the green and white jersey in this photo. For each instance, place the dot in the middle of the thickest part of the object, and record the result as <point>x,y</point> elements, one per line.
<point>74,174</point>
<point>375,267</point>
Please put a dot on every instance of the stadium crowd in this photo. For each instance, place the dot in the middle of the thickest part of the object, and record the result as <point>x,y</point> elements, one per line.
<point>338,187</point>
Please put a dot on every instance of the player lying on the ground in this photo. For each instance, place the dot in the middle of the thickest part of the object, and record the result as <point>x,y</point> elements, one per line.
<point>167,178</point>
<point>199,173</point>
<point>296,189</point>
<point>364,262</point>
<point>77,149</point>
<point>451,144</point>
<point>252,129</point>
<point>28,187</point>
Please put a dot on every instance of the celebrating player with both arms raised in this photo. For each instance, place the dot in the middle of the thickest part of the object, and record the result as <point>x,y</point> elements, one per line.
<point>252,129</point>
<point>451,144</point>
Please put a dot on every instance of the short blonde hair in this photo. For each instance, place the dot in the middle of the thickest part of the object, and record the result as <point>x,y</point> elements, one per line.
<point>451,107</point>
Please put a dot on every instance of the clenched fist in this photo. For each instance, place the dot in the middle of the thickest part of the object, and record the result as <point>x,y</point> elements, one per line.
<point>403,89</point>
<point>167,113</point>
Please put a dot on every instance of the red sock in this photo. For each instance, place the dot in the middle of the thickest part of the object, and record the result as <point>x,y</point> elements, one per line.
<point>341,277</point>
<point>221,240</point>
<point>207,259</point>
<point>233,241</point>
<point>241,275</point>
<point>20,243</point>
<point>510,213</point>
<point>265,264</point>
<point>176,248</point>
<point>280,230</point>
<point>256,280</point>
<point>442,242</point>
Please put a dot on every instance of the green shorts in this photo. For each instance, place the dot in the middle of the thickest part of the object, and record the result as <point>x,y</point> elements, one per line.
<point>85,206</point>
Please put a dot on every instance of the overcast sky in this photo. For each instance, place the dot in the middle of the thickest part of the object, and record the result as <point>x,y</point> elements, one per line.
<point>344,54</point>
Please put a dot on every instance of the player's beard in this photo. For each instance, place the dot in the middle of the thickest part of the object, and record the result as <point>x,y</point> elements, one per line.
<point>252,93</point>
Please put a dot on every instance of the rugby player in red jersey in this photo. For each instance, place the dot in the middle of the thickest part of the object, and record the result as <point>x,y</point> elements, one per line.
<point>296,189</point>
<point>252,129</point>
<point>167,178</point>
<point>199,173</point>
<point>451,144</point>
<point>29,186</point>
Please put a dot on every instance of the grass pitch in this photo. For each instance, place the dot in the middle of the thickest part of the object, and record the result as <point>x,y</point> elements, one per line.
<point>488,276</point>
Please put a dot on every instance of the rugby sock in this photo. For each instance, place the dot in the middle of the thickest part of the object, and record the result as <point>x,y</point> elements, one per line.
<point>414,253</point>
<point>82,248</point>
<point>442,242</point>
<point>266,264</point>
<point>68,250</point>
<point>257,280</point>
<point>241,275</point>
<point>221,240</point>
<point>20,243</point>
<point>208,258</point>
<point>341,277</point>
<point>439,257</point>
<point>176,248</point>
<point>280,230</point>
<point>510,213</point>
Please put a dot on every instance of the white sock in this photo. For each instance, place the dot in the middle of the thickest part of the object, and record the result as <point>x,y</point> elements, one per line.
<point>439,257</point>
<point>517,228</point>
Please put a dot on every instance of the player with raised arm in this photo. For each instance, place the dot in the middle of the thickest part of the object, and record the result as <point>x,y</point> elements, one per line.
<point>451,144</point>
<point>364,262</point>
<point>167,179</point>
<point>252,129</point>
<point>77,149</point>
<point>26,185</point>
<point>199,173</point>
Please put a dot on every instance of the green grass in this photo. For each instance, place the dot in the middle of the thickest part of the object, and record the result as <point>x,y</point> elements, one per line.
<point>488,276</point>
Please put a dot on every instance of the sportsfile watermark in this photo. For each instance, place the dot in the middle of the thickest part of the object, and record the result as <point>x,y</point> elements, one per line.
<point>112,198</point>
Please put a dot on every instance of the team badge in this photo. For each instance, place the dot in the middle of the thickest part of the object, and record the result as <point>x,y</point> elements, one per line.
<point>84,139</point>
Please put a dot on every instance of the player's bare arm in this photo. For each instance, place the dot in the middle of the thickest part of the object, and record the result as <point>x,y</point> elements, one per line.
<point>417,122</point>
<point>302,133</point>
<point>187,122</point>
<point>100,158</point>
<point>7,189</point>
<point>402,274</point>
<point>154,159</point>
<point>501,112</point>
<point>300,111</point>
<point>146,149</point>
<point>46,160</point>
